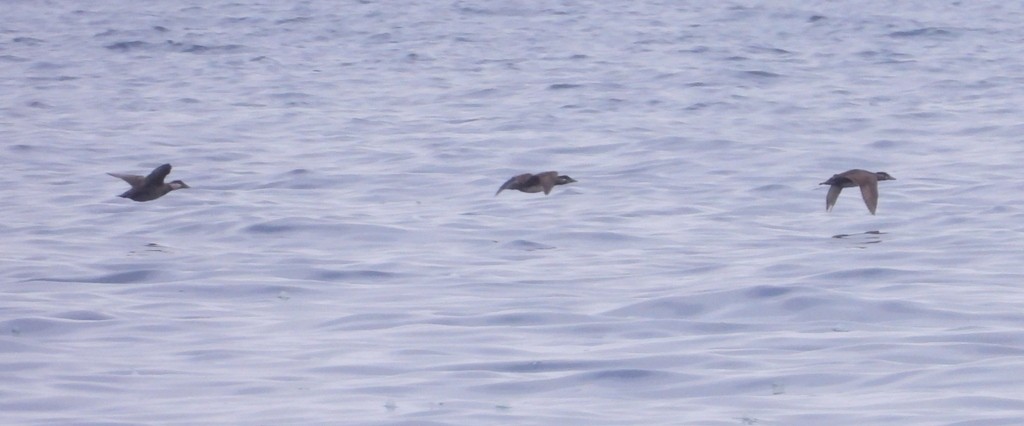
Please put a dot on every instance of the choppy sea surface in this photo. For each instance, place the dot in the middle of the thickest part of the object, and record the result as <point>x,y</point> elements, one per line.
<point>341,257</point>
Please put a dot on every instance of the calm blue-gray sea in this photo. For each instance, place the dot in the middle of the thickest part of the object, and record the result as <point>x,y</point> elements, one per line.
<point>341,257</point>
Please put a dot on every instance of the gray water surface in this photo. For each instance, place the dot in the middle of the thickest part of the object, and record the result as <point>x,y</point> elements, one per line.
<point>341,257</point>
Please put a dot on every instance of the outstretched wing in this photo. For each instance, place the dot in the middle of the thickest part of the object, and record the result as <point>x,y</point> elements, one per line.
<point>156,177</point>
<point>514,182</point>
<point>833,195</point>
<point>869,191</point>
<point>134,180</point>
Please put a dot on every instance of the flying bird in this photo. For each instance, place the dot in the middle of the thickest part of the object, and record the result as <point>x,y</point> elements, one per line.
<point>148,188</point>
<point>867,181</point>
<point>531,183</point>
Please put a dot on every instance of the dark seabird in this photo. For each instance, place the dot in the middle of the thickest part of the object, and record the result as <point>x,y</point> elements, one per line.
<point>148,188</point>
<point>527,182</point>
<point>867,181</point>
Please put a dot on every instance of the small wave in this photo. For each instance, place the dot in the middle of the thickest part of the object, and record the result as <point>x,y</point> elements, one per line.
<point>170,45</point>
<point>524,367</point>
<point>355,275</point>
<point>12,58</point>
<point>126,46</point>
<point>128,277</point>
<point>923,32</point>
<point>84,316</point>
<point>38,326</point>
<point>324,228</point>
<point>772,187</point>
<point>500,9</point>
<point>761,74</point>
<point>376,321</point>
<point>299,19</point>
<point>29,41</point>
<point>768,291</point>
<point>670,307</point>
<point>526,245</point>
<point>625,374</point>
<point>872,274</point>
<point>563,86</point>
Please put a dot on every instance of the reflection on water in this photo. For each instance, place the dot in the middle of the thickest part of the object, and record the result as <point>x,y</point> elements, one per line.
<point>868,237</point>
<point>150,248</point>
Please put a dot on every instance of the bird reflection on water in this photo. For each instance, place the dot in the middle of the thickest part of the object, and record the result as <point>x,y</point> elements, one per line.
<point>868,237</point>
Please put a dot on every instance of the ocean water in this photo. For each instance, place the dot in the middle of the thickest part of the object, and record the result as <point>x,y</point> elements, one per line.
<point>341,257</point>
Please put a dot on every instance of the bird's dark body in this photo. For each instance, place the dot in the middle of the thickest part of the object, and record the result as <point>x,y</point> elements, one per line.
<point>150,187</point>
<point>532,183</point>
